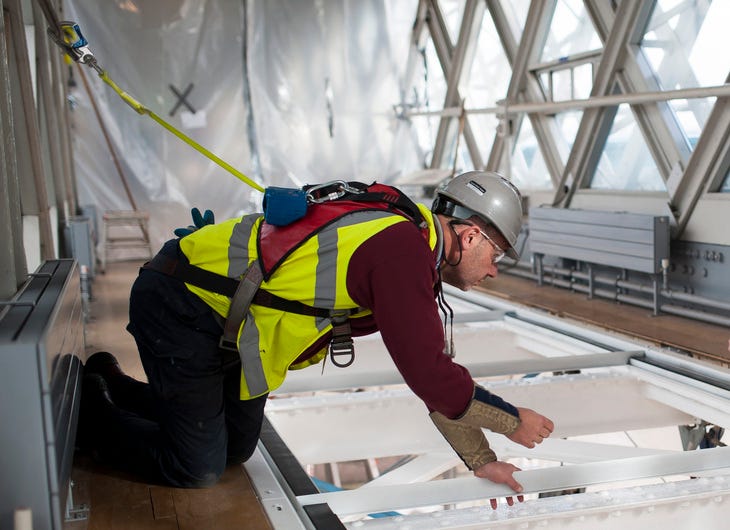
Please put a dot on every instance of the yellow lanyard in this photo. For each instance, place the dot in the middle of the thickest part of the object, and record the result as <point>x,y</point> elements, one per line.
<point>67,35</point>
<point>141,109</point>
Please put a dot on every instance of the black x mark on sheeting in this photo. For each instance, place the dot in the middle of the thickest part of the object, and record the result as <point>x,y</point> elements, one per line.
<point>181,99</point>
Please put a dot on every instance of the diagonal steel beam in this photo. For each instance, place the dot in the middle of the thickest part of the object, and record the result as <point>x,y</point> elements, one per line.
<point>659,127</point>
<point>452,61</point>
<point>596,123</point>
<point>707,164</point>
<point>523,85</point>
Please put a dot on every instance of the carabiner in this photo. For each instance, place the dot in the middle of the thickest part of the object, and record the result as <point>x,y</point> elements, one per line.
<point>341,188</point>
<point>68,37</point>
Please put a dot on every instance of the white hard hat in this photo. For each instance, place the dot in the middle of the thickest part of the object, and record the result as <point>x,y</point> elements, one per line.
<point>486,194</point>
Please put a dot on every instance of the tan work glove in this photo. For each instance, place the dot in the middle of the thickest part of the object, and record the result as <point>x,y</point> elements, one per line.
<point>465,432</point>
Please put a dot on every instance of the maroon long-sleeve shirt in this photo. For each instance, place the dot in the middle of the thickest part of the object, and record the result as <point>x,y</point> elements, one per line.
<point>394,275</point>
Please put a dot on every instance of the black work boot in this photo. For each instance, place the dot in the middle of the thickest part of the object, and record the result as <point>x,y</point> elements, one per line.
<point>104,364</point>
<point>126,391</point>
<point>96,402</point>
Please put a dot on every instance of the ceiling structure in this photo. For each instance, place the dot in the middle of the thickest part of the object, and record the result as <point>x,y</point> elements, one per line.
<point>587,105</point>
<point>612,96</point>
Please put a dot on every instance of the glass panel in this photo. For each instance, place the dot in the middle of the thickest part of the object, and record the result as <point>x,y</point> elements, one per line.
<point>568,123</point>
<point>487,80</point>
<point>683,41</point>
<point>463,159</point>
<point>566,83</point>
<point>484,127</point>
<point>485,83</point>
<point>583,80</point>
<point>685,45</point>
<point>516,13</point>
<point>427,94</point>
<point>626,163</point>
<point>432,84</point>
<point>452,11</point>
<point>571,31</point>
<point>725,188</point>
<point>689,112</point>
<point>527,167</point>
<point>562,85</point>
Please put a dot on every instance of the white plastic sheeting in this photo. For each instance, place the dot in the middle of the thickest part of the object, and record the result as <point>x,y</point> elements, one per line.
<point>287,91</point>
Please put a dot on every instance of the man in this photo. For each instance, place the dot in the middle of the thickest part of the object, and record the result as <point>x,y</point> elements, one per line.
<point>220,316</point>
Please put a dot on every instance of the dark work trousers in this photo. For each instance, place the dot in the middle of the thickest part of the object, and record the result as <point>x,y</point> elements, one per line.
<point>195,422</point>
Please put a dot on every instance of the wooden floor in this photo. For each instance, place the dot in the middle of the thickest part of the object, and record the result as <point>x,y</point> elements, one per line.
<point>706,341</point>
<point>121,502</point>
<point>117,501</point>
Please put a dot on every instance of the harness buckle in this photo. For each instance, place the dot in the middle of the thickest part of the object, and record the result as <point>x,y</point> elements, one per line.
<point>226,344</point>
<point>342,346</point>
<point>341,342</point>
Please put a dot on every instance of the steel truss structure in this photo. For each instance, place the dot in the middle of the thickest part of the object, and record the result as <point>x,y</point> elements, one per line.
<point>616,404</point>
<point>621,74</point>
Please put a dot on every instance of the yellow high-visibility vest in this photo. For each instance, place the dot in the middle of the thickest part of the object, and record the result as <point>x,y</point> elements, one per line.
<point>315,273</point>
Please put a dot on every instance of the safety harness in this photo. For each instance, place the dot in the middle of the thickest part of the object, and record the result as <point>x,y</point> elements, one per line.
<point>328,203</point>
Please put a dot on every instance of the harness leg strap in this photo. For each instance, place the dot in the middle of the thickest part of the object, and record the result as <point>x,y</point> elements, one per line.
<point>341,343</point>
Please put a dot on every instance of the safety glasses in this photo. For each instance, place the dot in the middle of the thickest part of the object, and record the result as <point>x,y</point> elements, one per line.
<point>498,252</point>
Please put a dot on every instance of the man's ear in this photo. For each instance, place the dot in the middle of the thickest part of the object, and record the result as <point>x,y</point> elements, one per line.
<point>469,237</point>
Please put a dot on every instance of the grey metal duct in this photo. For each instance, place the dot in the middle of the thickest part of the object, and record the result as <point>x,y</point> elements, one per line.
<point>41,344</point>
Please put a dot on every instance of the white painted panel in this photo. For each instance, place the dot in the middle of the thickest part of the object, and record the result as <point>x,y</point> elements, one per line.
<point>393,422</point>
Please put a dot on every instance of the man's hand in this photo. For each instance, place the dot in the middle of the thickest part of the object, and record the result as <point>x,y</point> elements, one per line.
<point>533,429</point>
<point>500,473</point>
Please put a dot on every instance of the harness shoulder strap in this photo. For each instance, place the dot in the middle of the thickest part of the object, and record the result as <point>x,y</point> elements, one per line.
<point>392,196</point>
<point>241,301</point>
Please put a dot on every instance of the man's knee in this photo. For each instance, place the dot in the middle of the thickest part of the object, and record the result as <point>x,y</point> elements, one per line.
<point>195,479</point>
<point>203,481</point>
<point>241,455</point>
